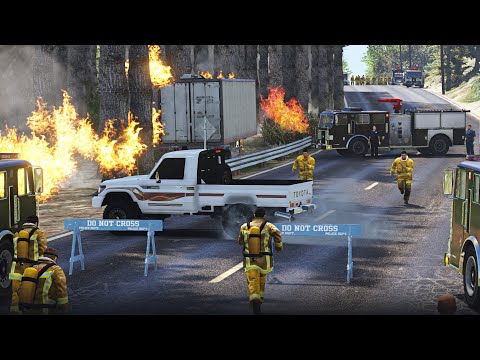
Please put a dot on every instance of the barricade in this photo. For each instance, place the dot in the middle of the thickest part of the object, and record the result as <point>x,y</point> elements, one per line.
<point>348,230</point>
<point>78,225</point>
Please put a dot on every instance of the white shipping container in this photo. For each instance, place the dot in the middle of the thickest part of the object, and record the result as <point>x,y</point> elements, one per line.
<point>229,105</point>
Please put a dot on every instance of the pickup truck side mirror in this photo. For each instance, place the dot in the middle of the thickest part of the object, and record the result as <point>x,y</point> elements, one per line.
<point>157,177</point>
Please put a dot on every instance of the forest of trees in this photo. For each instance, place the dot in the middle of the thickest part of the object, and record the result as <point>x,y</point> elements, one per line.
<point>461,62</point>
<point>95,77</point>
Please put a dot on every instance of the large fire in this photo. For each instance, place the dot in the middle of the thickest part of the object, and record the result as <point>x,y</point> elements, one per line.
<point>57,134</point>
<point>160,74</point>
<point>206,74</point>
<point>289,116</point>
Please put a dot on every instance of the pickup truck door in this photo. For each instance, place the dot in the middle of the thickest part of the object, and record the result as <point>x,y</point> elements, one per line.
<point>165,192</point>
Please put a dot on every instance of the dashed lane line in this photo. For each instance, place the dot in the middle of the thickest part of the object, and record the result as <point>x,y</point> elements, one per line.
<point>371,186</point>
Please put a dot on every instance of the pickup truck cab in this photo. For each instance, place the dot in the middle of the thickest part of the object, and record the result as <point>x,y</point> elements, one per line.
<point>198,181</point>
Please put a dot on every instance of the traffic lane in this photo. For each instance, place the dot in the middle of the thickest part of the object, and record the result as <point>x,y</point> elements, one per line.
<point>113,281</point>
<point>382,255</point>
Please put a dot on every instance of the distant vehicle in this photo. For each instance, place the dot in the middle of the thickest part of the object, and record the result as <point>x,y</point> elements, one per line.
<point>345,79</point>
<point>189,182</point>
<point>413,77</point>
<point>428,131</point>
<point>20,182</point>
<point>397,76</point>
<point>462,185</point>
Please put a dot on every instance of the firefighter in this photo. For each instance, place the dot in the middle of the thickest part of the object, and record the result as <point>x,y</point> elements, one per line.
<point>373,80</point>
<point>28,245</point>
<point>389,80</point>
<point>357,80</point>
<point>352,80</point>
<point>363,80</point>
<point>404,167</point>
<point>306,164</point>
<point>256,237</point>
<point>367,80</point>
<point>50,294</point>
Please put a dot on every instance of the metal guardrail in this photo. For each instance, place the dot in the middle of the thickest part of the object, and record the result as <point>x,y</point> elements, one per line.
<point>259,157</point>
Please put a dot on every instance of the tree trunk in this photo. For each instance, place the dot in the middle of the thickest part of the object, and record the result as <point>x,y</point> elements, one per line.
<point>227,59</point>
<point>330,80</point>
<point>201,58</point>
<point>77,72</point>
<point>323,76</point>
<point>249,64</point>
<point>338,95</point>
<point>314,85</point>
<point>179,58</point>
<point>43,73</point>
<point>263,70</point>
<point>140,89</point>
<point>91,81</point>
<point>113,86</point>
<point>448,68</point>
<point>275,60</point>
<point>301,75</point>
<point>288,70</point>
<point>476,67</point>
<point>60,66</point>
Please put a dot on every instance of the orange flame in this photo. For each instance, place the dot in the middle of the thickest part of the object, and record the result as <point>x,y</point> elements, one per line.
<point>289,116</point>
<point>220,76</point>
<point>57,135</point>
<point>127,65</point>
<point>157,126</point>
<point>205,74</point>
<point>160,74</point>
<point>231,75</point>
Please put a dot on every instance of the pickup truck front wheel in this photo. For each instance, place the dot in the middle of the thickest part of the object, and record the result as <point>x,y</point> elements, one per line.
<point>120,211</point>
<point>234,217</point>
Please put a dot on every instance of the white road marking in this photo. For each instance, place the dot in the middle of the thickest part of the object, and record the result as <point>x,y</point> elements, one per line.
<point>276,167</point>
<point>325,215</point>
<point>227,273</point>
<point>371,186</point>
<point>59,236</point>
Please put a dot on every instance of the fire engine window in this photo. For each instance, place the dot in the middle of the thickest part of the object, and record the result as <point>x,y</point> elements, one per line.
<point>460,184</point>
<point>172,168</point>
<point>362,119</point>
<point>378,118</point>
<point>3,184</point>
<point>476,189</point>
<point>21,182</point>
<point>341,119</point>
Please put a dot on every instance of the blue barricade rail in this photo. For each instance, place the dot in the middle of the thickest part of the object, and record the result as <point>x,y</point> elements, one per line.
<point>78,225</point>
<point>347,230</point>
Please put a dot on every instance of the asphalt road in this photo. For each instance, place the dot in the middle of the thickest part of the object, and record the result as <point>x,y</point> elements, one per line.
<point>397,261</point>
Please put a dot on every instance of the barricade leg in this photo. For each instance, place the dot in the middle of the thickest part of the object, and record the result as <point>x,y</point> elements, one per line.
<point>77,239</point>
<point>150,259</point>
<point>350,261</point>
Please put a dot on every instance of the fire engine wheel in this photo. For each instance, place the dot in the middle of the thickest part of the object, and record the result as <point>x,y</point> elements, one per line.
<point>424,151</point>
<point>358,147</point>
<point>470,278</point>
<point>6,255</point>
<point>439,145</point>
<point>234,217</point>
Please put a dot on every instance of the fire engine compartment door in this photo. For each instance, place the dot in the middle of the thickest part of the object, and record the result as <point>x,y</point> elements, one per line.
<point>400,130</point>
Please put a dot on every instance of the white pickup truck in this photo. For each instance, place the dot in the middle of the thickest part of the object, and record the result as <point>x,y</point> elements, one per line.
<point>191,182</point>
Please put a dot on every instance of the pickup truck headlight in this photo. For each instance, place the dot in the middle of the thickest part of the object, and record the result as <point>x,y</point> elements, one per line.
<point>101,188</point>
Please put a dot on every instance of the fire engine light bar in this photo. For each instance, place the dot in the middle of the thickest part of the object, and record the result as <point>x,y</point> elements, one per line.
<point>8,156</point>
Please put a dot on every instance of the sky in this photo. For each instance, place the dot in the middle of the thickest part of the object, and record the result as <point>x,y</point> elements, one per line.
<point>353,54</point>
